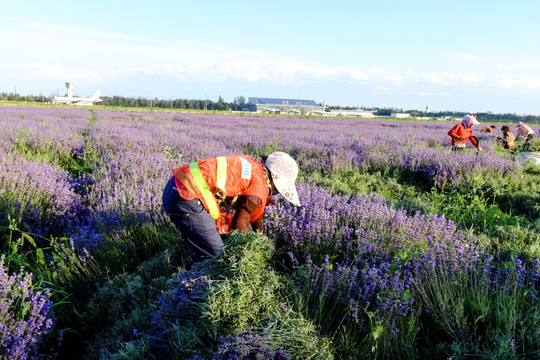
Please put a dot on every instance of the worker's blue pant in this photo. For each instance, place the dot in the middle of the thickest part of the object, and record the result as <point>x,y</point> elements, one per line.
<point>197,226</point>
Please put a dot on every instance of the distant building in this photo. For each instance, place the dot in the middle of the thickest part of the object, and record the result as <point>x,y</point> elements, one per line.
<point>282,106</point>
<point>400,115</point>
<point>353,113</point>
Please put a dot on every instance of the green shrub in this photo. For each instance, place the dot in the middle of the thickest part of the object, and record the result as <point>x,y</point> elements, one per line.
<point>244,294</point>
<point>118,316</point>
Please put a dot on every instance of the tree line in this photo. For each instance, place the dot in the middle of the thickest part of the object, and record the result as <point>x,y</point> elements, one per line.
<point>192,104</point>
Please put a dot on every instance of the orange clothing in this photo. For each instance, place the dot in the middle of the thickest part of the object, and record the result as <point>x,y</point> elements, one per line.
<point>461,134</point>
<point>508,140</point>
<point>244,177</point>
<point>523,130</point>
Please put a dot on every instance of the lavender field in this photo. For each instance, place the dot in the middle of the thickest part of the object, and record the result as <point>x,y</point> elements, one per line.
<point>402,249</point>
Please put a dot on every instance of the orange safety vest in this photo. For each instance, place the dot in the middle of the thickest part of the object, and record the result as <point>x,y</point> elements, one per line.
<point>524,130</point>
<point>510,140</point>
<point>228,176</point>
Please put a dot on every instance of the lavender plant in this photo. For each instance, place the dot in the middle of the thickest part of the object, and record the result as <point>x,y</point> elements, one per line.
<point>357,262</point>
<point>26,316</point>
<point>248,347</point>
<point>482,304</point>
<point>38,195</point>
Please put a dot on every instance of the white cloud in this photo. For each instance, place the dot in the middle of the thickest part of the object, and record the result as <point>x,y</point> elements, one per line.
<point>472,78</point>
<point>53,53</point>
<point>516,81</point>
<point>358,75</point>
<point>59,72</point>
<point>251,71</point>
<point>444,78</point>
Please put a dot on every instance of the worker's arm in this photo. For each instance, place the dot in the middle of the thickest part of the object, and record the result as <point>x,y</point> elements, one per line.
<point>245,206</point>
<point>258,225</point>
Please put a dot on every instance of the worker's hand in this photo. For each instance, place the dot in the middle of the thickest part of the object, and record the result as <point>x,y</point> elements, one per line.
<point>480,149</point>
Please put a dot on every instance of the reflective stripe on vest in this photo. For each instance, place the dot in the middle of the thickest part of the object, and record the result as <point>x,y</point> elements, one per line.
<point>221,178</point>
<point>209,198</point>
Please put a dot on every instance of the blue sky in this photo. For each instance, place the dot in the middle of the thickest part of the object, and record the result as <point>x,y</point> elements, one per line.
<point>472,56</point>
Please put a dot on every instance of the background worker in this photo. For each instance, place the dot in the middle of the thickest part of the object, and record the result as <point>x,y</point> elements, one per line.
<point>524,131</point>
<point>462,132</point>
<point>488,129</point>
<point>207,198</point>
<point>507,138</point>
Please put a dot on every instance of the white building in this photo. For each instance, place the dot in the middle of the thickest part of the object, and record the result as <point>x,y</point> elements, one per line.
<point>400,115</point>
<point>282,106</point>
<point>353,113</point>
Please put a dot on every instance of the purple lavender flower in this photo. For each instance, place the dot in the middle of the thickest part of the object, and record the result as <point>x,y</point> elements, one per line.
<point>25,315</point>
<point>248,347</point>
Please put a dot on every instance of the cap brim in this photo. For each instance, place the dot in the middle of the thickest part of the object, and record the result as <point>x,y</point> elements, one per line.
<point>287,189</point>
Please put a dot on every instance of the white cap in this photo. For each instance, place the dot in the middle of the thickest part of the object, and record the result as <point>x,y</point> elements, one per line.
<point>284,171</point>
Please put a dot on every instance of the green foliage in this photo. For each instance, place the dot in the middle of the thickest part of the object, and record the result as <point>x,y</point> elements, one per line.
<point>245,293</point>
<point>81,164</point>
<point>62,269</point>
<point>368,338</point>
<point>519,195</point>
<point>357,182</point>
<point>289,330</point>
<point>533,145</point>
<point>118,315</point>
<point>138,242</point>
<point>245,278</point>
<point>469,208</point>
<point>464,315</point>
<point>56,268</point>
<point>76,163</point>
<point>121,305</point>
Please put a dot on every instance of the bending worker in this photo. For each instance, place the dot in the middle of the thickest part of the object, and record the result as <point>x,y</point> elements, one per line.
<point>208,198</point>
<point>507,138</point>
<point>524,131</point>
<point>461,133</point>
